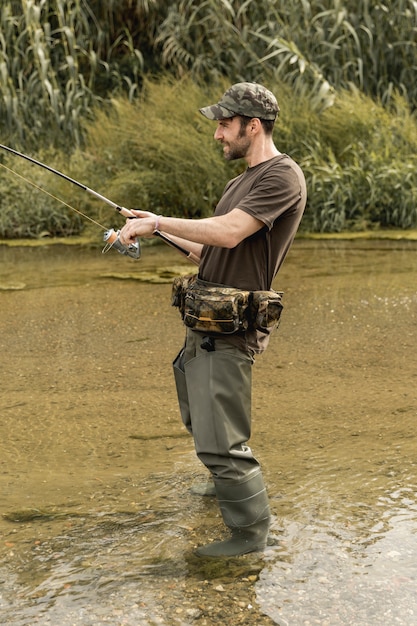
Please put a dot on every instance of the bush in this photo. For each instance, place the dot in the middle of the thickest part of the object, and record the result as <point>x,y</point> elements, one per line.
<point>362,168</point>
<point>159,154</point>
<point>26,212</point>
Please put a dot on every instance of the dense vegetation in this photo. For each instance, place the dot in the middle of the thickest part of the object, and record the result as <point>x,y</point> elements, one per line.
<point>109,92</point>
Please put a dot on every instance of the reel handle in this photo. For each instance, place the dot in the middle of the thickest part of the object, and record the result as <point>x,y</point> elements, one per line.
<point>111,238</point>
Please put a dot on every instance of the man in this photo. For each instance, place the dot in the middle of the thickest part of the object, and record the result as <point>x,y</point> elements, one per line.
<point>242,245</point>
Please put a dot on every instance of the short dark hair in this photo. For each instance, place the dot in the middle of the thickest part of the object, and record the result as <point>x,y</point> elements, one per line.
<point>267,125</point>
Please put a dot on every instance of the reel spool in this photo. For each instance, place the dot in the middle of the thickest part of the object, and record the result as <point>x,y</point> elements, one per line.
<point>111,237</point>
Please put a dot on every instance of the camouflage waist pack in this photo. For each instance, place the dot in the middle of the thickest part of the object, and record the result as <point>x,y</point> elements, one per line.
<point>266,309</point>
<point>211,308</point>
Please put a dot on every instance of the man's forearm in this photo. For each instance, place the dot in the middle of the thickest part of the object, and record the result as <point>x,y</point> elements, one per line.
<point>194,231</point>
<point>223,231</point>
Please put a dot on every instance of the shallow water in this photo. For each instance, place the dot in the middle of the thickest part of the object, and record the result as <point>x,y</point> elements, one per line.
<point>98,524</point>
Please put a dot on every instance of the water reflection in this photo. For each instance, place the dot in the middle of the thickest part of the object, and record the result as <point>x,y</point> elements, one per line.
<point>99,523</point>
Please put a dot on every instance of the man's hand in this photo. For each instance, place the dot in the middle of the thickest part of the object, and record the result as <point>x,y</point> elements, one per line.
<point>143,225</point>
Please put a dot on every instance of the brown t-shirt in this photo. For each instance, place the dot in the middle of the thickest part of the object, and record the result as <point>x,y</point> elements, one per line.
<point>274,192</point>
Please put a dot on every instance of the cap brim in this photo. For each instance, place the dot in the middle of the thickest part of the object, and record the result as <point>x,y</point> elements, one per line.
<point>216,112</point>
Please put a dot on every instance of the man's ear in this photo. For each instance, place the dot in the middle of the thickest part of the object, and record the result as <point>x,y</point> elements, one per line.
<point>255,125</point>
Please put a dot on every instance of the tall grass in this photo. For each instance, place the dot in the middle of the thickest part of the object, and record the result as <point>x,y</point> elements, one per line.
<point>59,59</point>
<point>318,46</point>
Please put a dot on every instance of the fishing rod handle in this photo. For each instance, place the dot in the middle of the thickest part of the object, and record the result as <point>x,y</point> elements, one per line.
<point>190,255</point>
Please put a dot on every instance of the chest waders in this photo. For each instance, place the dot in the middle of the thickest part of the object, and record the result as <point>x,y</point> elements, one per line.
<point>213,380</point>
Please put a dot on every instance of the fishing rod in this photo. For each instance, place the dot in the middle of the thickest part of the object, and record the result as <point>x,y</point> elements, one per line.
<point>111,237</point>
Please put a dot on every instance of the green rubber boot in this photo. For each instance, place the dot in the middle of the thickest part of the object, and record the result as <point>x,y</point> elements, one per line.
<point>245,510</point>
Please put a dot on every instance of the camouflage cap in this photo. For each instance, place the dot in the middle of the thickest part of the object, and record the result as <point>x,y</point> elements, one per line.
<point>249,99</point>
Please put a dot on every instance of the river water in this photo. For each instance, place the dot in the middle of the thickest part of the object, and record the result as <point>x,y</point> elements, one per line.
<point>97,521</point>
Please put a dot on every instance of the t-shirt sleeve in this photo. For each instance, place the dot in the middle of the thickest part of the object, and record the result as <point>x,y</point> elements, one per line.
<point>276,191</point>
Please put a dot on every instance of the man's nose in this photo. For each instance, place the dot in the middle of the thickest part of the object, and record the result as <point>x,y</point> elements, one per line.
<point>218,134</point>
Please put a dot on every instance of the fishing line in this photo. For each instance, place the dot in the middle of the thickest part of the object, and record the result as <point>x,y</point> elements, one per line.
<point>121,209</point>
<point>52,196</point>
<point>111,237</point>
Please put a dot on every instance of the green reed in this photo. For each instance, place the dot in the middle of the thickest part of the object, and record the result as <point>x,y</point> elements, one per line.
<point>58,59</point>
<point>318,46</point>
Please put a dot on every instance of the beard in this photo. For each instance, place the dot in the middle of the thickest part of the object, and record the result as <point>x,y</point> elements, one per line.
<point>238,148</point>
